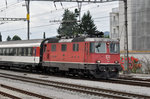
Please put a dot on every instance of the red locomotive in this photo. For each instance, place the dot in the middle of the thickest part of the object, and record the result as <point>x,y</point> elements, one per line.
<point>92,57</point>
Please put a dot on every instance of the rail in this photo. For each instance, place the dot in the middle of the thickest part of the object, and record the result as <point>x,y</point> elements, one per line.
<point>77,88</point>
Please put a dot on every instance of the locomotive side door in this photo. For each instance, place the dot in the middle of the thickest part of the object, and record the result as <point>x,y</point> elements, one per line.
<point>86,52</point>
<point>46,53</point>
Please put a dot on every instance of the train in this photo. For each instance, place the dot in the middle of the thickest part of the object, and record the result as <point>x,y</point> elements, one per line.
<point>80,56</point>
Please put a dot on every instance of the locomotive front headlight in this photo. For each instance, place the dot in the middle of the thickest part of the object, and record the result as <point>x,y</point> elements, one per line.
<point>98,61</point>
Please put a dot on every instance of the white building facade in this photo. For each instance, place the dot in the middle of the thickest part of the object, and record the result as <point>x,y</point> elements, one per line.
<point>138,28</point>
<point>114,23</point>
<point>138,25</point>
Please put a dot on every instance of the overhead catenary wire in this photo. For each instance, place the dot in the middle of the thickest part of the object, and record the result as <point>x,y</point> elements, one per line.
<point>39,26</point>
<point>58,23</point>
<point>10,5</point>
<point>102,18</point>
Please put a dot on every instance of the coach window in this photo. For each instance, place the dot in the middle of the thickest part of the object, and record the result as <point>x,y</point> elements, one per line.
<point>17,51</point>
<point>23,52</point>
<point>4,51</point>
<point>14,52</point>
<point>7,51</point>
<point>75,47</point>
<point>63,47</point>
<point>53,47</point>
<point>1,51</point>
<point>26,51</point>
<point>11,51</point>
<point>30,51</point>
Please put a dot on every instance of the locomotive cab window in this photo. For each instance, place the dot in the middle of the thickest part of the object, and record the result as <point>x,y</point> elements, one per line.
<point>63,47</point>
<point>53,47</point>
<point>114,47</point>
<point>98,47</point>
<point>75,47</point>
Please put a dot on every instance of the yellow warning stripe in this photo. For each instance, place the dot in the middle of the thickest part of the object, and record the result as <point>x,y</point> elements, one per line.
<point>135,51</point>
<point>28,17</point>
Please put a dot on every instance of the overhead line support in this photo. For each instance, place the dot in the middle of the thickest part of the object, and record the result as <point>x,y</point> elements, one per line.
<point>126,35</point>
<point>28,18</point>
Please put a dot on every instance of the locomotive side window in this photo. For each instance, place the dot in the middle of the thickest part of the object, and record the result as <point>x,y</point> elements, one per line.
<point>75,47</point>
<point>114,47</point>
<point>98,47</point>
<point>63,47</point>
<point>92,47</point>
<point>53,47</point>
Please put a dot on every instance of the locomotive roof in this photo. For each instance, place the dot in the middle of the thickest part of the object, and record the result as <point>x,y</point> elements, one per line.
<point>37,42</point>
<point>80,39</point>
<point>21,43</point>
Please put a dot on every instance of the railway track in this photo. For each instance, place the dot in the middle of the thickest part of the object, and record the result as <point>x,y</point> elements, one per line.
<point>133,82</point>
<point>77,88</point>
<point>135,79</point>
<point>16,93</point>
<point>120,80</point>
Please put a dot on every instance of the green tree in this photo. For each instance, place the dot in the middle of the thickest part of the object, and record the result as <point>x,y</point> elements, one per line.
<point>8,38</point>
<point>87,25</point>
<point>69,25</point>
<point>99,34</point>
<point>16,37</point>
<point>107,36</point>
<point>0,37</point>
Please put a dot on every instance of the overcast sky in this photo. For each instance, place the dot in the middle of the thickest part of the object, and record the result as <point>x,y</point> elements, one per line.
<point>43,12</point>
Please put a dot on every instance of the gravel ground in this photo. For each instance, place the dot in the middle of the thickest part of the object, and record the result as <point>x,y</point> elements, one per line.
<point>2,97</point>
<point>143,76</point>
<point>44,90</point>
<point>63,94</point>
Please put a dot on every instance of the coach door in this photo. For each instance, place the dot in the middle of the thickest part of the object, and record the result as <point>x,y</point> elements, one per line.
<point>86,52</point>
<point>34,54</point>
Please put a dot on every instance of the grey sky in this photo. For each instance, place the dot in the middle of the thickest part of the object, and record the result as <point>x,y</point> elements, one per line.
<point>43,12</point>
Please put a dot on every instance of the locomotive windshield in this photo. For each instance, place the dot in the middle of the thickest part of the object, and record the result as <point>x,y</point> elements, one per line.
<point>98,47</point>
<point>114,47</point>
